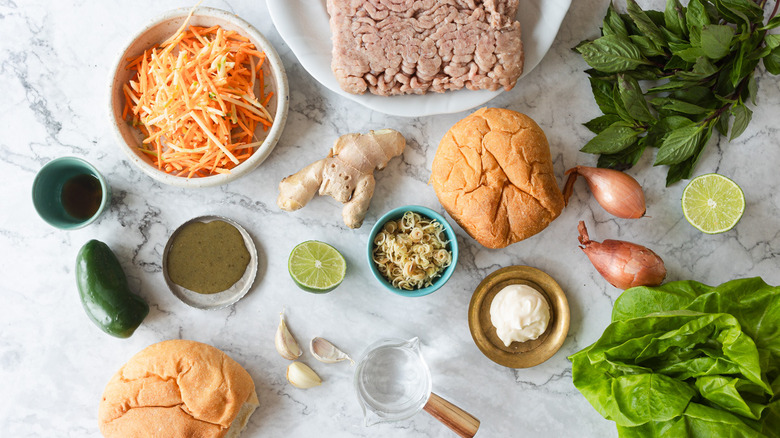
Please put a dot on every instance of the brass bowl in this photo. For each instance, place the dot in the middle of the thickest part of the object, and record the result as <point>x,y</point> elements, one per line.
<point>518,354</point>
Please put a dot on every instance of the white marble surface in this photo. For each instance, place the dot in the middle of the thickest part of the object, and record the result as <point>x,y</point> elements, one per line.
<point>54,70</point>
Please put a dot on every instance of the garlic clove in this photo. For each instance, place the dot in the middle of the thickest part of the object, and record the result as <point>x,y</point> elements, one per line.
<point>324,351</point>
<point>301,376</point>
<point>284,341</point>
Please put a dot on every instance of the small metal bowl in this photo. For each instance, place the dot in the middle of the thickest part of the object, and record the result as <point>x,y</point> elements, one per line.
<point>518,354</point>
<point>217,300</point>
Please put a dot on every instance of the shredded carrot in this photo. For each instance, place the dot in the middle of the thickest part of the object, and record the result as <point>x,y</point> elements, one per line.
<point>196,99</point>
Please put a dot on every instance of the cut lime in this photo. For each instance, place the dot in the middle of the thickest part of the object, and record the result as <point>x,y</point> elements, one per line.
<point>316,266</point>
<point>713,203</point>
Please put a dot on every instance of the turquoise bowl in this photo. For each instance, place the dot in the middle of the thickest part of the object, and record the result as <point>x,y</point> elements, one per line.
<point>397,213</point>
<point>47,192</point>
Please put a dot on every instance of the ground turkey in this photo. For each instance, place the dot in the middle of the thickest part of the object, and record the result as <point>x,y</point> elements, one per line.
<point>393,47</point>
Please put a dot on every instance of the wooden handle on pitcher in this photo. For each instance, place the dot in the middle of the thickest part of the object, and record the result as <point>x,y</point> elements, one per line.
<point>460,421</point>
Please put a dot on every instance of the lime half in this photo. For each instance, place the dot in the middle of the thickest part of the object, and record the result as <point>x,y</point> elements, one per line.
<point>713,203</point>
<point>316,266</point>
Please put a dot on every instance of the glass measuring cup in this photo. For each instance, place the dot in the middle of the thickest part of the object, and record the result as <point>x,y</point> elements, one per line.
<point>393,383</point>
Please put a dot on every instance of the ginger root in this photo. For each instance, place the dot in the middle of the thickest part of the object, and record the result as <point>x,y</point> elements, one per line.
<point>347,174</point>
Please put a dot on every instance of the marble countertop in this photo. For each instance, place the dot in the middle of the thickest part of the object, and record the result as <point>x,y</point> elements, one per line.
<point>55,61</point>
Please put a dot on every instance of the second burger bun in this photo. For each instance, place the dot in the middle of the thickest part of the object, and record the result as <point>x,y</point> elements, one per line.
<point>493,174</point>
<point>178,389</point>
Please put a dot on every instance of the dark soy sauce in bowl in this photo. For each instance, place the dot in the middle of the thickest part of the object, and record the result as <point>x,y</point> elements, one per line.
<point>81,196</point>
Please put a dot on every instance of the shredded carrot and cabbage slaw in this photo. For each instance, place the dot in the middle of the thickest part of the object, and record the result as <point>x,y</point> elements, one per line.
<point>193,97</point>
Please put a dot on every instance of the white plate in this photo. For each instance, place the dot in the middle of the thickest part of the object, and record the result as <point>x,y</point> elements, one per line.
<point>305,28</point>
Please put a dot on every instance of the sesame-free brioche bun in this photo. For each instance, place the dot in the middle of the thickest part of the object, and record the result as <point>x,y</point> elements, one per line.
<point>493,174</point>
<point>178,389</point>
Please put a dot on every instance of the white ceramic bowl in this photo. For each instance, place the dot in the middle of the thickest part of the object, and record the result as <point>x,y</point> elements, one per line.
<point>158,31</point>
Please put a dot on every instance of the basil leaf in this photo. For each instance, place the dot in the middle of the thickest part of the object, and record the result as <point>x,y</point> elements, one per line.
<point>644,23</point>
<point>704,67</point>
<point>646,46</point>
<point>657,132</point>
<point>698,95</point>
<point>746,10</point>
<point>679,144</point>
<point>684,170</point>
<point>633,99</point>
<point>614,139</point>
<point>674,17</point>
<point>722,124</point>
<point>613,24</point>
<point>691,55</point>
<point>625,159</point>
<point>716,40</point>
<point>602,93</point>
<point>752,87</point>
<point>696,17</point>
<point>742,116</point>
<point>772,61</point>
<point>612,54</point>
<point>669,86</point>
<point>620,109</point>
<point>773,23</point>
<point>601,123</point>
<point>679,106</point>
<point>677,63</point>
<point>772,41</point>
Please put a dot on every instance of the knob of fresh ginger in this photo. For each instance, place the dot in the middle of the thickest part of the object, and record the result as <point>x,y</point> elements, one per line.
<point>347,174</point>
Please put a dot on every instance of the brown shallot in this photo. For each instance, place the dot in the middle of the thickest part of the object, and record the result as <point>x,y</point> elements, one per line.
<point>623,264</point>
<point>619,193</point>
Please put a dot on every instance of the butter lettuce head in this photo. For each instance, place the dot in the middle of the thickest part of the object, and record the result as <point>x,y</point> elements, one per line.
<point>688,360</point>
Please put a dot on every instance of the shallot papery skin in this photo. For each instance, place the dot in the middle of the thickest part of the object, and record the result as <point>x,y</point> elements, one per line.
<point>617,192</point>
<point>623,264</point>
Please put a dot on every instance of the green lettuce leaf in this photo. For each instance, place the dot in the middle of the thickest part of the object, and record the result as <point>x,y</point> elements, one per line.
<point>688,360</point>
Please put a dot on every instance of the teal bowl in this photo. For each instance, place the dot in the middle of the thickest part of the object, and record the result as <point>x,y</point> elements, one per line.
<point>452,246</point>
<point>47,192</point>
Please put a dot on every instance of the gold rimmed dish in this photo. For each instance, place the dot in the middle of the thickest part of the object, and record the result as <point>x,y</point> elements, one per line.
<point>518,354</point>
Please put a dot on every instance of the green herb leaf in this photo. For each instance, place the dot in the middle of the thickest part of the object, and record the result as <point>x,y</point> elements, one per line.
<point>615,138</point>
<point>620,109</point>
<point>674,17</point>
<point>752,89</point>
<point>715,40</point>
<point>633,99</point>
<point>722,125</point>
<point>746,10</point>
<point>678,106</point>
<point>699,61</point>
<point>772,41</point>
<point>602,93</point>
<point>624,159</point>
<point>646,45</point>
<point>696,16</point>
<point>657,132</point>
<point>612,54</point>
<point>613,24</point>
<point>679,144</point>
<point>669,86</point>
<point>645,24</point>
<point>601,123</point>
<point>742,116</point>
<point>772,61</point>
<point>773,23</point>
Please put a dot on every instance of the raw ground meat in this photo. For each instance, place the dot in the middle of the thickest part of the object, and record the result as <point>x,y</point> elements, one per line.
<point>393,47</point>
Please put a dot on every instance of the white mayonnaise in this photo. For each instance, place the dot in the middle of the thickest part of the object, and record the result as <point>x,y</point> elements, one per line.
<point>519,313</point>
